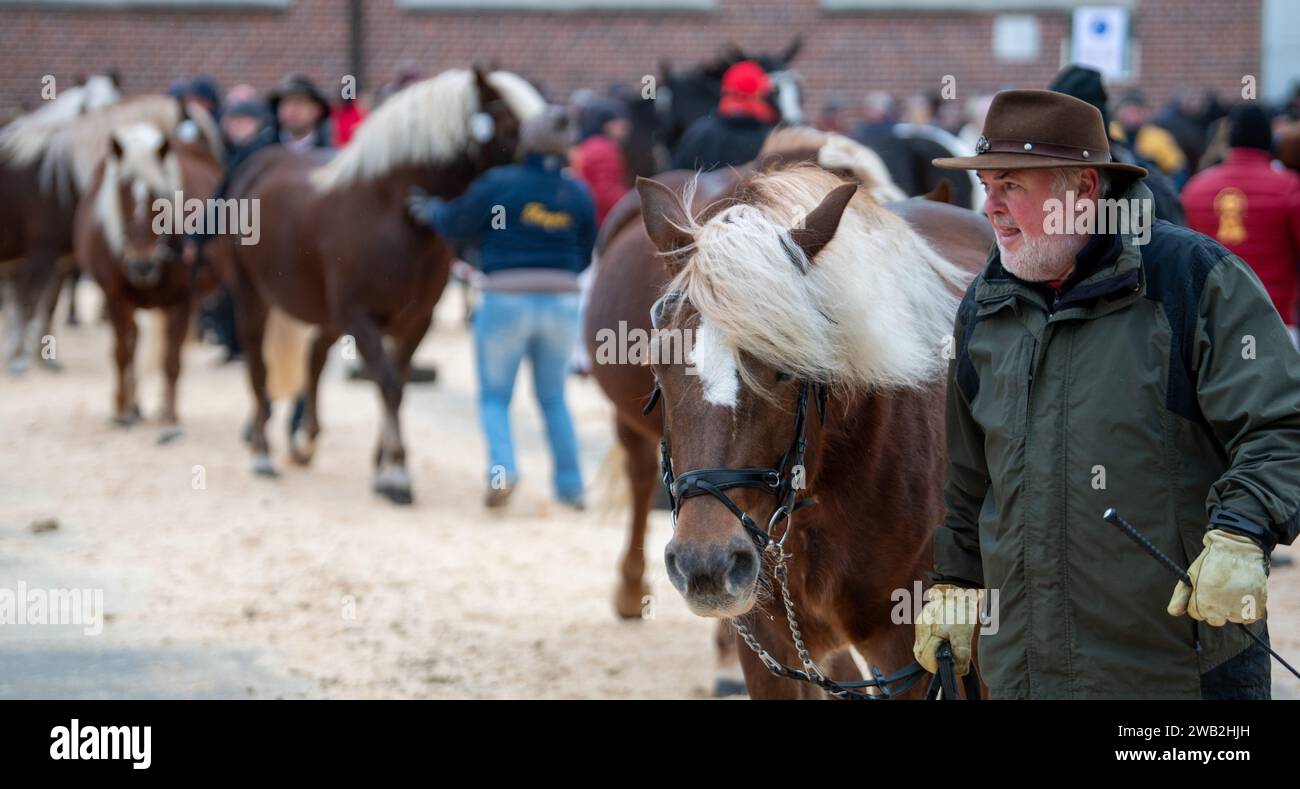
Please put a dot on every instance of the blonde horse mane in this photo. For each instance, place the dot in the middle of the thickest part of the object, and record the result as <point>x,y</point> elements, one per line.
<point>69,151</point>
<point>425,123</point>
<point>872,311</point>
<point>837,152</point>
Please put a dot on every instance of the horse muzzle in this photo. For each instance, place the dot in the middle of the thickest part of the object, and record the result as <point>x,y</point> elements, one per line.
<point>143,272</point>
<point>715,580</point>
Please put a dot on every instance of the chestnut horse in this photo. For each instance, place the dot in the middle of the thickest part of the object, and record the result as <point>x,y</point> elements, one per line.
<point>135,265</point>
<point>339,252</point>
<point>47,161</point>
<point>862,313</point>
<point>629,278</point>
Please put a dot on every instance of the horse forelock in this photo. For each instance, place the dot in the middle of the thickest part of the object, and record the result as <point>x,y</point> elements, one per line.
<point>425,123</point>
<point>139,167</point>
<point>871,311</point>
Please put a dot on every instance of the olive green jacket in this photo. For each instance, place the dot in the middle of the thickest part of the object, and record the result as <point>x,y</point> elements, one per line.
<point>1161,382</point>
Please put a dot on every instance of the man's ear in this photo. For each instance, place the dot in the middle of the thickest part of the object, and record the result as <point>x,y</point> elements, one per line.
<point>664,218</point>
<point>1090,183</point>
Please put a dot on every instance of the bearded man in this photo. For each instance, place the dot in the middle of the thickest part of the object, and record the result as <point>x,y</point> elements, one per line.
<point>1140,367</point>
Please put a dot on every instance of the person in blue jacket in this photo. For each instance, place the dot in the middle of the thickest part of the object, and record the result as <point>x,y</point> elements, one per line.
<point>535,228</point>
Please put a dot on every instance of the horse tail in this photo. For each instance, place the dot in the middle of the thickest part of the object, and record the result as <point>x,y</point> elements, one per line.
<point>284,350</point>
<point>611,491</point>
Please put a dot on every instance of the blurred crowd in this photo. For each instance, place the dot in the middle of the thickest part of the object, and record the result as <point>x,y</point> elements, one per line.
<point>1225,170</point>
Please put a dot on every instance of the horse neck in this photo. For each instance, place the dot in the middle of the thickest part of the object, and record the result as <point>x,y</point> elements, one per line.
<point>879,468</point>
<point>443,180</point>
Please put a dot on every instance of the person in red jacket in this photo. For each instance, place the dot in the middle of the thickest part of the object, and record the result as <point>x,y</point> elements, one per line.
<point>598,159</point>
<point>1253,209</point>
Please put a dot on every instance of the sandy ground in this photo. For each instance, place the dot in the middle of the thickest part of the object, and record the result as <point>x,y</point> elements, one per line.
<point>308,586</point>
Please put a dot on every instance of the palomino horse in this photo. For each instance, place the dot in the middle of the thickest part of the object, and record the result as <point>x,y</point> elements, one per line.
<point>137,266</point>
<point>338,251</point>
<point>820,321</point>
<point>46,166</point>
<point>629,278</point>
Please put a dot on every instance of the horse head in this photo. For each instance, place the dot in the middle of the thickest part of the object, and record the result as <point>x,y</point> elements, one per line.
<point>737,418</point>
<point>139,171</point>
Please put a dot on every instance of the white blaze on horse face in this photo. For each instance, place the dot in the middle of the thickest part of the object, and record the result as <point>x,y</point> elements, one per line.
<point>140,194</point>
<point>715,360</point>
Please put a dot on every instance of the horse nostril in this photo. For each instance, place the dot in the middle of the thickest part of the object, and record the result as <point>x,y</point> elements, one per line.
<point>743,570</point>
<point>675,576</point>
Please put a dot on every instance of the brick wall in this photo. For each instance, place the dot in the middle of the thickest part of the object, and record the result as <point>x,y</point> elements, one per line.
<point>1199,43</point>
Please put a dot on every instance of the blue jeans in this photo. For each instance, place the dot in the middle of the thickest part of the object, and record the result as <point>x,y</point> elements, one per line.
<point>542,327</point>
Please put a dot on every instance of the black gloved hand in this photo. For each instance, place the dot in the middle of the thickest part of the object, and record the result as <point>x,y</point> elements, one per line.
<point>420,205</point>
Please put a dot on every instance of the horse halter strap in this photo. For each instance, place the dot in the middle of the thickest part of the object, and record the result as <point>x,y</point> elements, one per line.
<point>777,480</point>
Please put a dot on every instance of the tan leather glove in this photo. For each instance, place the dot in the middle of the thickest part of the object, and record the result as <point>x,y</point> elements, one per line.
<point>1229,583</point>
<point>949,614</point>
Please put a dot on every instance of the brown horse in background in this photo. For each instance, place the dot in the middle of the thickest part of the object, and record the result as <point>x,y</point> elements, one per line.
<point>135,265</point>
<point>47,162</point>
<point>339,252</point>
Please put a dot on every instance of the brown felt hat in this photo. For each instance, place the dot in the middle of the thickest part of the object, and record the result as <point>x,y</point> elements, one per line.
<point>1038,129</point>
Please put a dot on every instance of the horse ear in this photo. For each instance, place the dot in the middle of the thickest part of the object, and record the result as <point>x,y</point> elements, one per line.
<point>819,227</point>
<point>941,193</point>
<point>792,49</point>
<point>664,217</point>
<point>481,82</point>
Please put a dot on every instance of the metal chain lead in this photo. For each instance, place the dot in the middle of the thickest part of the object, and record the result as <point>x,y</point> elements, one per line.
<point>782,573</point>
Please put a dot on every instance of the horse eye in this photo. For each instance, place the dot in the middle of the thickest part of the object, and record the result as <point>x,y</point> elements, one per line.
<point>782,377</point>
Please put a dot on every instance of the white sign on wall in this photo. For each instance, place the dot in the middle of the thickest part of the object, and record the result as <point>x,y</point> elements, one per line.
<point>1100,39</point>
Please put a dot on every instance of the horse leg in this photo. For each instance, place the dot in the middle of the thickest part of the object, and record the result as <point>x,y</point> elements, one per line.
<point>302,441</point>
<point>64,268</point>
<point>889,650</point>
<point>391,478</point>
<point>178,322</point>
<point>729,678</point>
<point>31,280</point>
<point>125,410</point>
<point>642,471</point>
<point>250,320</point>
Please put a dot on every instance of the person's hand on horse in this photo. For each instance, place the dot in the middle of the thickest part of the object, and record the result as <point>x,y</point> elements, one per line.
<point>420,205</point>
<point>949,614</point>
<point>1229,582</point>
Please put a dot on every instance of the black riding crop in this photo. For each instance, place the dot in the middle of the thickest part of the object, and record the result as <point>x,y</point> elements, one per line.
<point>1112,516</point>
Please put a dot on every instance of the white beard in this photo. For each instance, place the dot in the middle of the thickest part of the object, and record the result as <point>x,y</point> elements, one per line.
<point>1042,258</point>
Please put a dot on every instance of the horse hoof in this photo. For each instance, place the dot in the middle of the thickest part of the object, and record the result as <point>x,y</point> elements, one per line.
<point>52,365</point>
<point>394,484</point>
<point>263,467</point>
<point>168,434</point>
<point>729,686</point>
<point>18,366</point>
<point>302,447</point>
<point>629,603</point>
<point>126,419</point>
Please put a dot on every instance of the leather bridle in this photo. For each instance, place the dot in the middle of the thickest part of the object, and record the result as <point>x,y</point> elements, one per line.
<point>780,481</point>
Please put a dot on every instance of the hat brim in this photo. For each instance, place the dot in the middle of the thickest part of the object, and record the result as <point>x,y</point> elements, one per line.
<point>1028,161</point>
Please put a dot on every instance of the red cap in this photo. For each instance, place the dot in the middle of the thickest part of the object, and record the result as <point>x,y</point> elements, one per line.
<point>746,78</point>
